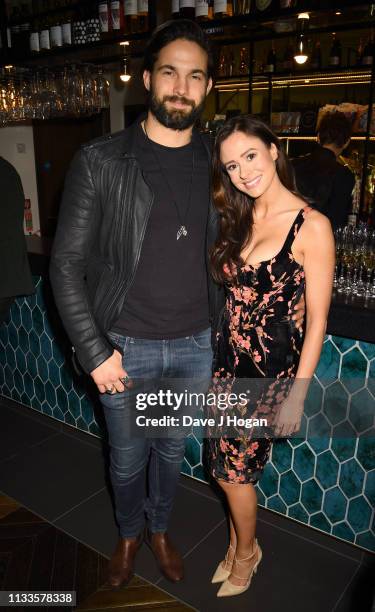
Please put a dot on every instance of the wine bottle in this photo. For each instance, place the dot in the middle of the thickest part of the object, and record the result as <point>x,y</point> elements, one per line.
<point>335,53</point>
<point>34,38</point>
<point>44,38</point>
<point>143,16</point>
<point>204,10</point>
<point>175,9</point>
<point>55,33</point>
<point>316,58</point>
<point>223,9</point>
<point>131,16</point>
<point>242,7</point>
<point>368,53</point>
<point>244,64</point>
<point>359,53</point>
<point>187,9</point>
<point>117,16</point>
<point>271,61</point>
<point>67,30</point>
<point>104,19</point>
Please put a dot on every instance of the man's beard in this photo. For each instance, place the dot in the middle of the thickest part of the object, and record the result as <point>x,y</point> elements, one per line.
<point>175,119</point>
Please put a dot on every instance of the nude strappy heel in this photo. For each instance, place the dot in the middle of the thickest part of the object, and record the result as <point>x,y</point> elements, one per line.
<point>228,589</point>
<point>224,568</point>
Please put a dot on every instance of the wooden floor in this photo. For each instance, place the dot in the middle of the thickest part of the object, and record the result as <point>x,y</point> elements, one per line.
<point>34,555</point>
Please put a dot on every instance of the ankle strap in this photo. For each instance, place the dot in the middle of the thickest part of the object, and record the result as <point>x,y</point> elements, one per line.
<point>249,557</point>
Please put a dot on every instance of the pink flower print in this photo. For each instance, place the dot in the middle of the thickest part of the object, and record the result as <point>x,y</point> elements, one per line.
<point>256,356</point>
<point>231,474</point>
<point>248,295</point>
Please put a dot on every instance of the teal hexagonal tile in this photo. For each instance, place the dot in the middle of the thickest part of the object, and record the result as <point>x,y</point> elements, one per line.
<point>335,504</point>
<point>96,430</point>
<point>313,401</point>
<point>343,344</point>
<point>329,364</point>
<point>344,441</point>
<point>366,452</point>
<point>353,370</point>
<point>366,540</point>
<point>193,451</point>
<point>18,382</point>
<point>42,368</point>
<point>199,472</point>
<point>343,530</point>
<point>319,521</point>
<point>34,343</point>
<point>371,377</point>
<point>26,317</point>
<point>8,375</point>
<point>15,314</point>
<point>269,481</point>
<point>38,323</point>
<point>359,514</point>
<point>351,478</point>
<point>66,378</point>
<point>362,410</point>
<point>74,404</point>
<point>335,403</point>
<point>58,413</point>
<point>23,340</point>
<point>260,496</point>
<point>50,394</point>
<point>39,389</point>
<point>12,337</point>
<point>46,346</point>
<point>35,403</point>
<point>81,424</point>
<point>31,364</point>
<point>86,411</point>
<point>20,360</point>
<point>370,487</point>
<point>46,409</point>
<point>62,400</point>
<point>304,462</point>
<point>10,357</point>
<point>281,455</point>
<point>69,419</point>
<point>54,373</point>
<point>290,488</point>
<point>312,496</point>
<point>186,468</point>
<point>327,469</point>
<point>57,354</point>
<point>276,503</point>
<point>298,512</point>
<point>368,349</point>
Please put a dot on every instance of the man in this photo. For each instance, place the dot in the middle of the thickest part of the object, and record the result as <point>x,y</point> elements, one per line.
<point>321,178</point>
<point>15,271</point>
<point>129,271</point>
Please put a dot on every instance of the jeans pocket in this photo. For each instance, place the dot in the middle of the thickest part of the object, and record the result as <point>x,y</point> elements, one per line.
<point>119,342</point>
<point>203,339</point>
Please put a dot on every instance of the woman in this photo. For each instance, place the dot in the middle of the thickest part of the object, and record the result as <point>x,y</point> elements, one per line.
<point>270,249</point>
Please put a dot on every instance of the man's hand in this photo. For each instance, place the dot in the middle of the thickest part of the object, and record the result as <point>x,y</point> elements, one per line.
<point>108,376</point>
<point>299,313</point>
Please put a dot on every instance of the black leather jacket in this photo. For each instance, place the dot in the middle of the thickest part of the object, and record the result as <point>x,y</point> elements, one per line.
<point>104,212</point>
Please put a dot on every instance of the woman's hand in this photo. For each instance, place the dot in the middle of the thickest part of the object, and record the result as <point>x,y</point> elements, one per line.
<point>288,419</point>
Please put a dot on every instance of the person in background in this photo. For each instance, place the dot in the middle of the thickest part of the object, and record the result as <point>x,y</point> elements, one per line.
<point>321,178</point>
<point>15,271</point>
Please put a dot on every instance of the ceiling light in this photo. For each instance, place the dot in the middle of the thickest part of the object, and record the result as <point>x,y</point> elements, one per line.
<point>125,75</point>
<point>300,55</point>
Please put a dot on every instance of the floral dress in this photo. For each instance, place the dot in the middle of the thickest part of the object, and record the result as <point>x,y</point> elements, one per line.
<point>258,348</point>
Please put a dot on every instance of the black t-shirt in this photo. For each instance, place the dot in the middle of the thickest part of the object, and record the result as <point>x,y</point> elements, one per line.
<point>169,296</point>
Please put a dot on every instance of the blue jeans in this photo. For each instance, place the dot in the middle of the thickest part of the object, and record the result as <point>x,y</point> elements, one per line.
<point>144,471</point>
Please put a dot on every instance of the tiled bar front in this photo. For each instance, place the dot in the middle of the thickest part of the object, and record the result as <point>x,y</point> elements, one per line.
<point>326,479</point>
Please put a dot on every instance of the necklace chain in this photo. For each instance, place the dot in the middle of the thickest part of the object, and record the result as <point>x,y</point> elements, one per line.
<point>182,230</point>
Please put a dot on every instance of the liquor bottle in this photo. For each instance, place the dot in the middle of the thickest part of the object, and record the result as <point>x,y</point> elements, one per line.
<point>131,16</point>
<point>143,16</point>
<point>244,64</point>
<point>175,9</point>
<point>288,61</point>
<point>222,68</point>
<point>104,19</point>
<point>335,53</point>
<point>24,37</point>
<point>316,58</point>
<point>242,7</point>
<point>34,38</point>
<point>92,25</point>
<point>187,9</point>
<point>271,61</point>
<point>117,16</point>
<point>223,9</point>
<point>44,39</point>
<point>204,10</point>
<point>368,53</point>
<point>66,27</point>
<point>55,34</point>
<point>359,53</point>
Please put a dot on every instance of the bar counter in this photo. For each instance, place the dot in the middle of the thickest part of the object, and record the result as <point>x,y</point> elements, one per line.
<point>325,478</point>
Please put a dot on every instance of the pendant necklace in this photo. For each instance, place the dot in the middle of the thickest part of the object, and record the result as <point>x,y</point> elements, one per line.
<point>182,231</point>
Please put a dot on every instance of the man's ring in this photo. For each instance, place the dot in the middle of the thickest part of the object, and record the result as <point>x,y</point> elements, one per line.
<point>111,391</point>
<point>125,380</point>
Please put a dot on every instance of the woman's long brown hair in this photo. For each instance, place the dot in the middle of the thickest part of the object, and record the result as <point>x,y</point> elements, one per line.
<point>235,209</point>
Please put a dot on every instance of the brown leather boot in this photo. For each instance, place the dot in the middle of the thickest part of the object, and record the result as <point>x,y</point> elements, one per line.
<point>121,565</point>
<point>169,559</point>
